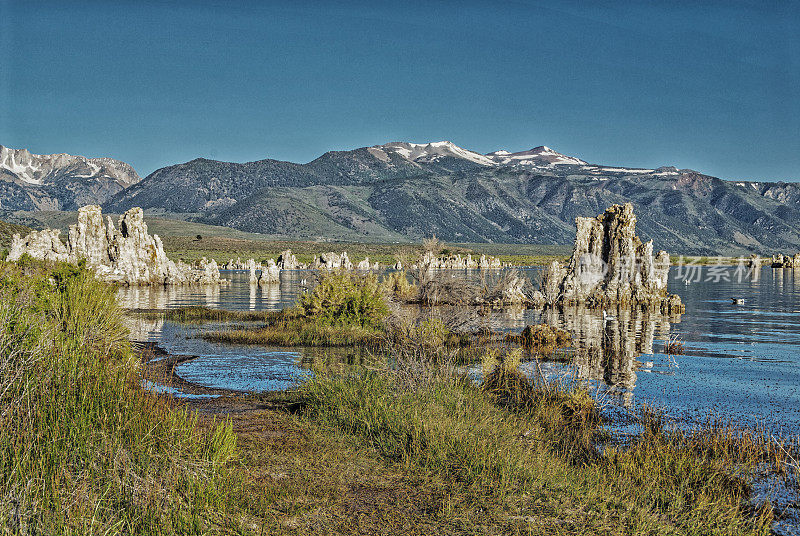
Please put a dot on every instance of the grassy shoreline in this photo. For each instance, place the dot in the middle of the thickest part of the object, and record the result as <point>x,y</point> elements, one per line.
<point>415,449</point>
<point>83,449</point>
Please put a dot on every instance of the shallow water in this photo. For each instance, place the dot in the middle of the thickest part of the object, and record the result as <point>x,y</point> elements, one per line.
<point>741,361</point>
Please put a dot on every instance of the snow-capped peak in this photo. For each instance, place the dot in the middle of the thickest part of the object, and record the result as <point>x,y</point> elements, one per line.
<point>21,163</point>
<point>429,152</point>
<point>433,151</point>
<point>541,155</point>
<point>36,169</point>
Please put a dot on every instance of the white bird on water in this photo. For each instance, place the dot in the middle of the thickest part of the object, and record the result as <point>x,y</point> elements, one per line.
<point>737,301</point>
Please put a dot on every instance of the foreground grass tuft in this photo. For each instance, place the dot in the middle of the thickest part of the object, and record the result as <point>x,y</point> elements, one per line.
<point>524,452</point>
<point>83,449</point>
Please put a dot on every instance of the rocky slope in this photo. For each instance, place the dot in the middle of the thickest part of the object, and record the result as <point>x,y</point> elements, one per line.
<point>59,181</point>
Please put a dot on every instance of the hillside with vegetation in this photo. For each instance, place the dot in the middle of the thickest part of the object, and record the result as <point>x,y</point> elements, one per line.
<point>395,193</point>
<point>8,230</point>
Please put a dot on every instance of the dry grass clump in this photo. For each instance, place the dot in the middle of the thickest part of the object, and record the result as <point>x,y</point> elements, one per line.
<point>441,287</point>
<point>450,287</point>
<point>432,245</point>
<point>567,415</point>
<point>420,352</point>
<point>542,338</point>
<point>674,345</point>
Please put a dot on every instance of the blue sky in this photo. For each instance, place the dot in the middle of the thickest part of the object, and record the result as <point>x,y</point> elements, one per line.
<point>713,86</point>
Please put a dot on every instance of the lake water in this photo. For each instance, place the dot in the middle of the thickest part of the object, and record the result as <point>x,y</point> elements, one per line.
<point>740,361</point>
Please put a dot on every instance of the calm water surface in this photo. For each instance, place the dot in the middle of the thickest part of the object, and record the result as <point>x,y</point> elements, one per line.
<point>741,361</point>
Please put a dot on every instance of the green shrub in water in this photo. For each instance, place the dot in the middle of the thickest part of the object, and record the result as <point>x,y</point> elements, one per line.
<point>346,299</point>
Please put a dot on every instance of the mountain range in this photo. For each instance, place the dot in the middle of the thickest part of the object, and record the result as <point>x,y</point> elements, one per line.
<point>59,181</point>
<point>405,191</point>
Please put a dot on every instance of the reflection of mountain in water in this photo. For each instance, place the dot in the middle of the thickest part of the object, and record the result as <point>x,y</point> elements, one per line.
<point>607,349</point>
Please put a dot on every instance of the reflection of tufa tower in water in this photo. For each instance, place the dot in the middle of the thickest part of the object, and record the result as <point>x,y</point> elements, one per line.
<point>607,350</point>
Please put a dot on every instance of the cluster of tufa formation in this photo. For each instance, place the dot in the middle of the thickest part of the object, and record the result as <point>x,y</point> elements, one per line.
<point>286,261</point>
<point>786,261</point>
<point>125,254</point>
<point>332,261</point>
<point>270,272</point>
<point>429,261</point>
<point>610,266</point>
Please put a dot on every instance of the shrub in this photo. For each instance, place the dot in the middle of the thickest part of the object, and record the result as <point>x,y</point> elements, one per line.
<point>542,338</point>
<point>346,299</point>
<point>396,284</point>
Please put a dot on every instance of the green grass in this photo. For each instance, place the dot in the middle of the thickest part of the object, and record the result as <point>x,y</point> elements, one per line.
<point>517,459</point>
<point>222,249</point>
<point>83,449</point>
<point>299,332</point>
<point>201,313</point>
<point>8,230</point>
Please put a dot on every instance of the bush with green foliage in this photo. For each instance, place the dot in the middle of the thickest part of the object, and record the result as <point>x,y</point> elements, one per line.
<point>346,299</point>
<point>397,284</point>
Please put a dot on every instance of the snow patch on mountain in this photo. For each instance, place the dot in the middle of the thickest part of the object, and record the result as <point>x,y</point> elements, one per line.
<point>626,170</point>
<point>430,152</point>
<point>538,156</point>
<point>541,156</point>
<point>37,170</point>
<point>20,164</point>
